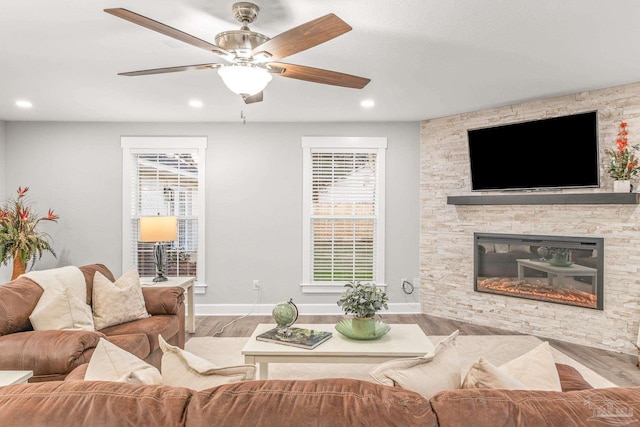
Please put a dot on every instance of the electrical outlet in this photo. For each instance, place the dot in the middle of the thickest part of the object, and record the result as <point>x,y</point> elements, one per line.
<point>256,285</point>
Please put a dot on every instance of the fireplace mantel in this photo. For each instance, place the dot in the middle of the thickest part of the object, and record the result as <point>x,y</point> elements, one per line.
<point>547,199</point>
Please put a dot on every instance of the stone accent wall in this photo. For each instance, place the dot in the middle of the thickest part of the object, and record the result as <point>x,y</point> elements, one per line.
<point>446,231</point>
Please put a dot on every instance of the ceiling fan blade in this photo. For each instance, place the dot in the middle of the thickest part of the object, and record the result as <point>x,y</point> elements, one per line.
<point>168,31</point>
<point>253,98</point>
<point>318,75</point>
<point>300,38</point>
<point>171,69</point>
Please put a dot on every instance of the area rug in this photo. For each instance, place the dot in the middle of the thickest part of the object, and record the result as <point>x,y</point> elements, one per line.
<point>497,349</point>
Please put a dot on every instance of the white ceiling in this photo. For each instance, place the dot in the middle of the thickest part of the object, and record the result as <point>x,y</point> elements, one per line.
<point>425,58</point>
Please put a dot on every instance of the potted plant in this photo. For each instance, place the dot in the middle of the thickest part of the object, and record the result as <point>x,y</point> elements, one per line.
<point>20,238</point>
<point>623,165</point>
<point>363,300</point>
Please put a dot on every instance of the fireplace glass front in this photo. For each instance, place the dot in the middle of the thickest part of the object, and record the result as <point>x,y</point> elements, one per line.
<point>558,269</point>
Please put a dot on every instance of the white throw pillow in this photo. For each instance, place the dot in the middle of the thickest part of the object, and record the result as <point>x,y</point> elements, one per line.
<point>69,277</point>
<point>111,363</point>
<point>502,248</point>
<point>534,370</point>
<point>61,309</point>
<point>183,369</point>
<point>519,248</point>
<point>118,302</point>
<point>488,247</point>
<point>426,375</point>
<point>482,374</point>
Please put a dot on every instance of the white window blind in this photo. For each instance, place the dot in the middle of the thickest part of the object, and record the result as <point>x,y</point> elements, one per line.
<point>343,216</point>
<point>168,182</point>
<point>344,213</point>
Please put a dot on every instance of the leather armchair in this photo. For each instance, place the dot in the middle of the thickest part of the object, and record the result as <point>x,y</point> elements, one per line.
<point>52,354</point>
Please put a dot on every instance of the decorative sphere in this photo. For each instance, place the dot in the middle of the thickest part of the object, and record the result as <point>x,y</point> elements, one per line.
<point>285,314</point>
<point>543,251</point>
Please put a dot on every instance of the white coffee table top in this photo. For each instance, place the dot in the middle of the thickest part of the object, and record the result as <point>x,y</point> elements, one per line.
<point>14,377</point>
<point>569,270</point>
<point>401,341</point>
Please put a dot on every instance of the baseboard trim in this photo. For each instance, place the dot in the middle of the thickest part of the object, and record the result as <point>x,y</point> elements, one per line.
<point>303,309</point>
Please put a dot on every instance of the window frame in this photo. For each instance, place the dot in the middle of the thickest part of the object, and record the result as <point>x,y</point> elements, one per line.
<point>310,144</point>
<point>162,144</point>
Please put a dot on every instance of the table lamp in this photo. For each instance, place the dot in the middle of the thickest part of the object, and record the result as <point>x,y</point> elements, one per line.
<point>159,229</point>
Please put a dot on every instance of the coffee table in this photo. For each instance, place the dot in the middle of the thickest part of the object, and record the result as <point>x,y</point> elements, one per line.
<point>556,274</point>
<point>404,340</point>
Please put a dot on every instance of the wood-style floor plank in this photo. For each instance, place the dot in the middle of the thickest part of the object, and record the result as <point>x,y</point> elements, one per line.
<point>618,368</point>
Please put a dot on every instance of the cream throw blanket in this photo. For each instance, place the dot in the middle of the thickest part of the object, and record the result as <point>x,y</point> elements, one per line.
<point>60,279</point>
<point>63,302</point>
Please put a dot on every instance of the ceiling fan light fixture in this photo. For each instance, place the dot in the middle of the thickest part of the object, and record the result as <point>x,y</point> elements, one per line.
<point>252,57</point>
<point>245,79</point>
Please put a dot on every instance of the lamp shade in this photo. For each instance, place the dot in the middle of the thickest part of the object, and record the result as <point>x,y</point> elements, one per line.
<point>158,228</point>
<point>245,79</point>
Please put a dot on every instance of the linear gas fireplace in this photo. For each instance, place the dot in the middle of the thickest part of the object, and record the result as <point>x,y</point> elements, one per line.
<point>558,269</point>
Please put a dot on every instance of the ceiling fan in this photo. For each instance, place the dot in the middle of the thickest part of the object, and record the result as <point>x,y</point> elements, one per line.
<point>249,56</point>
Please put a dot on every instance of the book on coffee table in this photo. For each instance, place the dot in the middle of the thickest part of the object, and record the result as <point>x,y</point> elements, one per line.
<point>299,337</point>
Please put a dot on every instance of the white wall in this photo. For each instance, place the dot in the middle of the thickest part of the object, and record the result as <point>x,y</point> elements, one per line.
<point>5,273</point>
<point>2,160</point>
<point>253,200</point>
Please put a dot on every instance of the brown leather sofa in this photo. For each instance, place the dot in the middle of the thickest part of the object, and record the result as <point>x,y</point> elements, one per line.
<point>325,402</point>
<point>51,355</point>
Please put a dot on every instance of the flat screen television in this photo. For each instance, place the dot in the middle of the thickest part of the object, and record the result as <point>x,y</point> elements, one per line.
<point>559,152</point>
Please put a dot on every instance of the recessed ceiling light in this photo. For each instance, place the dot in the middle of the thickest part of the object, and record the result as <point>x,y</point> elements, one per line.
<point>196,103</point>
<point>23,103</point>
<point>367,103</point>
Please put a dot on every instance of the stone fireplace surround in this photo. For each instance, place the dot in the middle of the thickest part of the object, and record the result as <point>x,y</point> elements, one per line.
<point>446,237</point>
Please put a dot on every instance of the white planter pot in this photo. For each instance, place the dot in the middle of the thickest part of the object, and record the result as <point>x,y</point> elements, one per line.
<point>623,186</point>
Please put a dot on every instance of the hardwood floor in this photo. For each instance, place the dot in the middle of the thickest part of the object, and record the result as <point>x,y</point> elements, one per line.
<point>616,367</point>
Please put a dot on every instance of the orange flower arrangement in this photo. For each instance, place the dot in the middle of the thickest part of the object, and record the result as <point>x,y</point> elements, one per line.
<point>19,237</point>
<point>623,164</point>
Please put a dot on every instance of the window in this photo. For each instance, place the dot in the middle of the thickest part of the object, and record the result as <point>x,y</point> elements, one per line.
<point>343,212</point>
<point>164,176</point>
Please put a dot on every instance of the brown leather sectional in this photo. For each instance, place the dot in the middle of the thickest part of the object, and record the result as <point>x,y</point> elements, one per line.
<point>51,355</point>
<point>324,402</point>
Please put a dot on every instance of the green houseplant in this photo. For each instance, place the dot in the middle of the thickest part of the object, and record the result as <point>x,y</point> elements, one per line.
<point>20,238</point>
<point>363,300</point>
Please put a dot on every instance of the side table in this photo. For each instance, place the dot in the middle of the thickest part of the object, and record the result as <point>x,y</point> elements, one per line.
<point>14,377</point>
<point>185,283</point>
